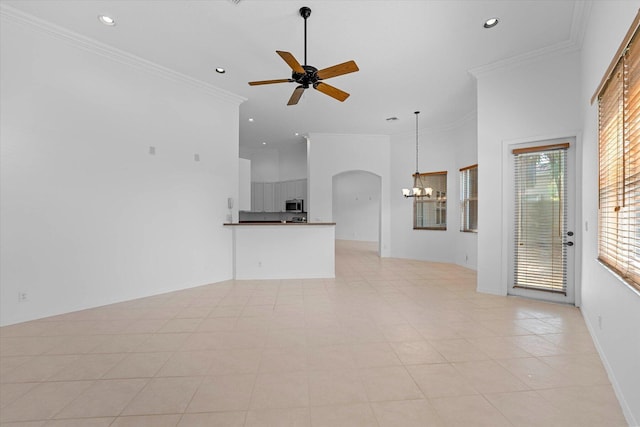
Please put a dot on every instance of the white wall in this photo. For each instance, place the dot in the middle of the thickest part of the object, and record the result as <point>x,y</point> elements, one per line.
<point>530,101</point>
<point>277,164</point>
<point>293,162</point>
<point>603,295</point>
<point>446,149</point>
<point>88,216</point>
<point>265,164</point>
<point>369,153</point>
<point>356,206</point>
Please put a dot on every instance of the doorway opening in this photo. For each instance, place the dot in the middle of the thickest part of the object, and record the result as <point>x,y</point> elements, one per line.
<point>356,207</point>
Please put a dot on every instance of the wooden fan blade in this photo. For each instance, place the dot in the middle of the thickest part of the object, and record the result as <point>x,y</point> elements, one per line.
<point>291,61</point>
<point>338,70</point>
<point>333,92</point>
<point>268,82</point>
<point>295,97</point>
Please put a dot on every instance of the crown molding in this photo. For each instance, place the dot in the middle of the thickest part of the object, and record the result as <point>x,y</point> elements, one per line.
<point>16,16</point>
<point>526,58</point>
<point>581,14</point>
<point>579,20</point>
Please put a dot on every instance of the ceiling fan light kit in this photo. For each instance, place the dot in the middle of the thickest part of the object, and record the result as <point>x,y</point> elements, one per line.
<point>309,76</point>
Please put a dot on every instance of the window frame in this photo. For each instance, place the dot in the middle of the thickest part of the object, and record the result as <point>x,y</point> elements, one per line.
<point>438,198</point>
<point>467,195</point>
<point>619,161</point>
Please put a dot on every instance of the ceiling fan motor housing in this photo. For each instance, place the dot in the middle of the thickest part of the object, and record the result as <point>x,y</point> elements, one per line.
<point>309,77</point>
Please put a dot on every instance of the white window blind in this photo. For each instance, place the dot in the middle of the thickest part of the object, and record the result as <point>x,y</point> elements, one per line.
<point>469,198</point>
<point>540,224</point>
<point>619,167</point>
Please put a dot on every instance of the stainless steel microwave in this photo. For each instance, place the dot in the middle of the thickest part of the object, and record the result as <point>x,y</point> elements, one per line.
<point>295,205</point>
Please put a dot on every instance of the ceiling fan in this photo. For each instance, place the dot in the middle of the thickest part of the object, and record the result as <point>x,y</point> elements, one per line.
<point>307,75</point>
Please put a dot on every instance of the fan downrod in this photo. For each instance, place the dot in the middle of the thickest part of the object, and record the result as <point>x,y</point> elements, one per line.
<point>305,12</point>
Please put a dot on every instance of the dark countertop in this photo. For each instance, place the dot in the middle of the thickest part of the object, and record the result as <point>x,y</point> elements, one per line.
<point>277,223</point>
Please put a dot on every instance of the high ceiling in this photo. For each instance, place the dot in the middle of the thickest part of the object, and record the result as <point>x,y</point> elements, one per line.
<point>412,55</point>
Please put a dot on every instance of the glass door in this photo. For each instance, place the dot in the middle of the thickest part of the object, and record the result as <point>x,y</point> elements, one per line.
<point>543,238</point>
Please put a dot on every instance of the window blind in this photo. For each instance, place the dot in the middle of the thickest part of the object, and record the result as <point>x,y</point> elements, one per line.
<point>430,211</point>
<point>540,224</point>
<point>469,198</point>
<point>619,166</point>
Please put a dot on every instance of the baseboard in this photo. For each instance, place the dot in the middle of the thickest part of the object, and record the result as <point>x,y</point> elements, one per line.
<point>628,415</point>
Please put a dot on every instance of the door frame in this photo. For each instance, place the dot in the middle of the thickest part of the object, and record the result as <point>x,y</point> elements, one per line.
<point>574,192</point>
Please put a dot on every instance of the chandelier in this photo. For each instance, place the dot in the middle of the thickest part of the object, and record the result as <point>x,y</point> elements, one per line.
<point>418,189</point>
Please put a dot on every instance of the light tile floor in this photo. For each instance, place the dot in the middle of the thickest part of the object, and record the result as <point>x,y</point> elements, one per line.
<point>389,342</point>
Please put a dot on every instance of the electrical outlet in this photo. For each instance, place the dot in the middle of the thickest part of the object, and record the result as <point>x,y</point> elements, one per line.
<point>22,296</point>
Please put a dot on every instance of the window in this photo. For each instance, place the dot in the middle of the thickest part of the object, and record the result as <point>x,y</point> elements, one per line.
<point>469,198</point>
<point>619,168</point>
<point>430,210</point>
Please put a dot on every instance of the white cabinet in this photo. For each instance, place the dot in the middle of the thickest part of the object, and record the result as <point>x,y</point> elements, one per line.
<point>272,196</point>
<point>244,187</point>
<point>300,189</point>
<point>268,198</point>
<point>262,197</point>
<point>296,189</point>
<point>257,196</point>
<point>291,189</point>
<point>281,196</point>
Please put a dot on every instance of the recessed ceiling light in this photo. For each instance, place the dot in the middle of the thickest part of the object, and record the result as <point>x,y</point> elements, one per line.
<point>250,119</point>
<point>220,70</point>
<point>107,20</point>
<point>297,134</point>
<point>264,143</point>
<point>490,23</point>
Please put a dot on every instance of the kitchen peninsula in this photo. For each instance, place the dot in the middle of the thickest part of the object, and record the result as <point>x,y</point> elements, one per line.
<point>285,250</point>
